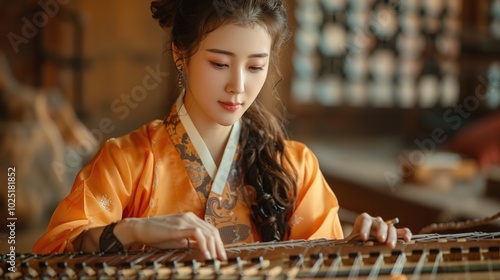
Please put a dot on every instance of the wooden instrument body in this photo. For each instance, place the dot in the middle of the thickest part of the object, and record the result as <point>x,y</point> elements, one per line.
<point>431,256</point>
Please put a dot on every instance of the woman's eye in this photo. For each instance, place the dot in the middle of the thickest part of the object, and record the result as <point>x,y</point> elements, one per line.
<point>256,68</point>
<point>219,65</point>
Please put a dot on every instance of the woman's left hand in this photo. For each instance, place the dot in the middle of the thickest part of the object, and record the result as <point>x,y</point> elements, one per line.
<point>366,226</point>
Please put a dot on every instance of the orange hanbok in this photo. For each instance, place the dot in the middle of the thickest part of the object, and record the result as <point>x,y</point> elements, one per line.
<point>162,169</point>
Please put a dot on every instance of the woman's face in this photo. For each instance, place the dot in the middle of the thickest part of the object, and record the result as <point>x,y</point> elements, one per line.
<point>226,74</point>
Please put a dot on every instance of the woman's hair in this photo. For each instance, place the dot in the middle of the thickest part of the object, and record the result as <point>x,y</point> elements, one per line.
<point>267,165</point>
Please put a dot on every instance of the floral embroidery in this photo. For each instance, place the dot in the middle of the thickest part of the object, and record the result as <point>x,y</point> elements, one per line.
<point>105,202</point>
<point>296,220</point>
<point>195,169</point>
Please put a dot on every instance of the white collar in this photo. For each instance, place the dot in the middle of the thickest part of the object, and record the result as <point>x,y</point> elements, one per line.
<point>208,162</point>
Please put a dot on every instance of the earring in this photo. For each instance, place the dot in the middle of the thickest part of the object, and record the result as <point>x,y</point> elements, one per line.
<point>180,80</point>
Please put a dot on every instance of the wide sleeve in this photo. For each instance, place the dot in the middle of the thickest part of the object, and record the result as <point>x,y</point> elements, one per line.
<point>100,195</point>
<point>316,208</point>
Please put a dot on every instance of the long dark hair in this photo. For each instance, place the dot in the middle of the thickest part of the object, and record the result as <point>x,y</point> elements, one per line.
<point>267,165</point>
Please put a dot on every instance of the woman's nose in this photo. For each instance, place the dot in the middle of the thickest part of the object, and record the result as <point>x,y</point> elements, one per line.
<point>236,83</point>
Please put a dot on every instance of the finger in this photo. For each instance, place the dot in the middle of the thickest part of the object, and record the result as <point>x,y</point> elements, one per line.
<point>173,244</point>
<point>213,239</point>
<point>211,246</point>
<point>219,246</point>
<point>221,251</point>
<point>379,229</point>
<point>404,233</point>
<point>172,231</point>
<point>214,242</point>
<point>201,242</point>
<point>205,235</point>
<point>160,232</point>
<point>216,247</point>
<point>194,230</point>
<point>392,236</point>
<point>363,223</point>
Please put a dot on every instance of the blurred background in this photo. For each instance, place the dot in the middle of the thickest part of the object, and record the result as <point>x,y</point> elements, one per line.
<point>399,100</point>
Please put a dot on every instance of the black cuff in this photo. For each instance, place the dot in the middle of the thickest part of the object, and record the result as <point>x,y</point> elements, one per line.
<point>108,242</point>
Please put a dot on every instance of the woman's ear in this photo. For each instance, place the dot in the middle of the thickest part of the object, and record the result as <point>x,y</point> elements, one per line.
<point>176,55</point>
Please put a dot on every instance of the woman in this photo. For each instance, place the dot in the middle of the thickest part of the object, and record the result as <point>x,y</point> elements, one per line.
<point>218,169</point>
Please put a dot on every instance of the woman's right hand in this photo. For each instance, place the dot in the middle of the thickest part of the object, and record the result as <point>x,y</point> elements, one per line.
<point>172,231</point>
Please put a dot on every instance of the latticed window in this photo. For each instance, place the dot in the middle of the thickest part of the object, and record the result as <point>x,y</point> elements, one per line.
<point>383,53</point>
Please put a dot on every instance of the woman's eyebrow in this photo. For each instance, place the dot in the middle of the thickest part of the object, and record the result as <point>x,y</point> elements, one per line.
<point>219,51</point>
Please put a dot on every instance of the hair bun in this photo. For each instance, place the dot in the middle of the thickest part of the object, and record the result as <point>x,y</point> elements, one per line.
<point>164,11</point>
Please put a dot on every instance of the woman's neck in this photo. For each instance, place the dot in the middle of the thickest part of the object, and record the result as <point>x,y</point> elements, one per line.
<point>213,134</point>
<point>215,137</point>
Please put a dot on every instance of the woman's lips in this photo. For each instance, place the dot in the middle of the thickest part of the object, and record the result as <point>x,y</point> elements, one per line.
<point>230,106</point>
